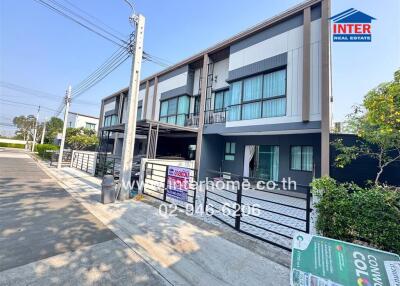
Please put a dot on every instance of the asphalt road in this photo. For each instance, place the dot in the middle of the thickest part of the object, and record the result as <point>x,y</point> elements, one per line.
<point>47,237</point>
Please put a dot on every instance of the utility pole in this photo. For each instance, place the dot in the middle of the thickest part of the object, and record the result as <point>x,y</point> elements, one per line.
<point>35,131</point>
<point>130,126</point>
<point>43,131</point>
<point>67,102</point>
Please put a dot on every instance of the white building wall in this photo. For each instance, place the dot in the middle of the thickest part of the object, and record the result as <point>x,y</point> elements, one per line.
<point>220,74</point>
<point>79,121</point>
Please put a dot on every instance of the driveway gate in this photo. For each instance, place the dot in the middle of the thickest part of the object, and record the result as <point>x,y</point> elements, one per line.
<point>156,180</point>
<point>270,215</point>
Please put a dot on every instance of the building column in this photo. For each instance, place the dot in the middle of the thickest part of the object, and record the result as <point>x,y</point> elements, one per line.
<point>146,98</point>
<point>325,85</point>
<point>153,111</point>
<point>99,133</point>
<point>306,64</point>
<point>203,94</point>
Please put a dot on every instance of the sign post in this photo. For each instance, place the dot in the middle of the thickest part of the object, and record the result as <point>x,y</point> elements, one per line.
<point>178,183</point>
<point>320,261</point>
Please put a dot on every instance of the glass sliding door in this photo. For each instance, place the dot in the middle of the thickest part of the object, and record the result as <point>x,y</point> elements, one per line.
<point>264,163</point>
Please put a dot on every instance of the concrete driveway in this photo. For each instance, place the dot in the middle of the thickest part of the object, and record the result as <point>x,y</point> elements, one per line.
<point>47,237</point>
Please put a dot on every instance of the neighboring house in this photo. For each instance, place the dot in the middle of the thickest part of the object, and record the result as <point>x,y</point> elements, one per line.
<point>77,120</point>
<point>256,104</point>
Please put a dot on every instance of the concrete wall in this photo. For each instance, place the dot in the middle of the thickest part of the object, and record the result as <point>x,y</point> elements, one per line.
<point>12,141</point>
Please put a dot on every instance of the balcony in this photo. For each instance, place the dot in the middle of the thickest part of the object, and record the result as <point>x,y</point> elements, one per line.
<point>215,116</point>
<point>192,120</point>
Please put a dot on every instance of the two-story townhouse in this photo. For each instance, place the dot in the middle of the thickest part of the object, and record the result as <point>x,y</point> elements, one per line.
<point>257,104</point>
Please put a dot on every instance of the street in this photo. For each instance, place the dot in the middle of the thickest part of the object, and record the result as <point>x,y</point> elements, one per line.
<point>47,237</point>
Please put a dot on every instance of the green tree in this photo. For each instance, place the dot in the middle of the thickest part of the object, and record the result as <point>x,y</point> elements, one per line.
<point>53,127</point>
<point>377,123</point>
<point>25,125</point>
<point>81,138</point>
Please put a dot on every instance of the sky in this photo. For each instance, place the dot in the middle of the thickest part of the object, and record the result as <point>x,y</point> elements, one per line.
<point>42,50</point>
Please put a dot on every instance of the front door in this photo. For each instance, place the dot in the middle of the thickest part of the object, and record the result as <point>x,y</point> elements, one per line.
<point>261,161</point>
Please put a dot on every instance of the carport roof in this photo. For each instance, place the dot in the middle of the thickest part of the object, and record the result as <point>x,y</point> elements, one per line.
<point>143,126</point>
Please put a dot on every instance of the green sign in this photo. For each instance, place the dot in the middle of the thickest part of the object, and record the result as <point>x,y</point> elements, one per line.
<point>320,261</point>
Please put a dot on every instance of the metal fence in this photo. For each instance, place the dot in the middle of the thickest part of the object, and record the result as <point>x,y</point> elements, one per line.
<point>270,215</point>
<point>155,185</point>
<point>66,160</point>
<point>85,161</point>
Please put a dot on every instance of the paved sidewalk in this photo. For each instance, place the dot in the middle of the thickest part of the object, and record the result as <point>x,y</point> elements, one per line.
<point>183,251</point>
<point>48,238</point>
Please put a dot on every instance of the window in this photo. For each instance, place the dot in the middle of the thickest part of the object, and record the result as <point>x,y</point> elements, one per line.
<point>90,126</point>
<point>230,151</point>
<point>175,110</point>
<point>258,96</point>
<point>110,120</point>
<point>301,158</point>
<point>139,113</point>
<point>196,108</point>
<point>221,100</point>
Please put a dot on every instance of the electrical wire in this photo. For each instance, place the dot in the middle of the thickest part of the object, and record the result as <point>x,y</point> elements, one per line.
<point>120,56</point>
<point>97,76</point>
<point>62,13</point>
<point>36,93</point>
<point>94,18</point>
<point>5,101</point>
<point>115,57</point>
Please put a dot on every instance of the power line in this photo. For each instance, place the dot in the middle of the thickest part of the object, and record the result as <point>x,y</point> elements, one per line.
<point>68,13</point>
<point>111,63</point>
<point>85,84</point>
<point>93,17</point>
<point>62,13</point>
<point>35,92</point>
<point>5,101</point>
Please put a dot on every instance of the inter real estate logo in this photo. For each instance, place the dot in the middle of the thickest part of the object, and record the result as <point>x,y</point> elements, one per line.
<point>352,26</point>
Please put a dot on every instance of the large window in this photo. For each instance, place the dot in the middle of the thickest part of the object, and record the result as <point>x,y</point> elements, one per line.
<point>301,158</point>
<point>110,120</point>
<point>175,110</point>
<point>258,96</point>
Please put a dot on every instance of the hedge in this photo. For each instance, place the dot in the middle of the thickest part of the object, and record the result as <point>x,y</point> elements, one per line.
<point>369,216</point>
<point>42,148</point>
<point>12,145</point>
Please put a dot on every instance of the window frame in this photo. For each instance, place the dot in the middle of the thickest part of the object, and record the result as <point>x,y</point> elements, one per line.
<point>262,99</point>
<point>222,91</point>
<point>230,153</point>
<point>176,114</point>
<point>301,158</point>
<point>93,125</point>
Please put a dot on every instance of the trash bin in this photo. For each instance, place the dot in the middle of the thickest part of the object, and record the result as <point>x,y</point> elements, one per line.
<point>108,189</point>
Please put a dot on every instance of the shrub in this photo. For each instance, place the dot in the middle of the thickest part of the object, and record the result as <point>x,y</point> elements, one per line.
<point>43,148</point>
<point>368,216</point>
<point>12,145</point>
